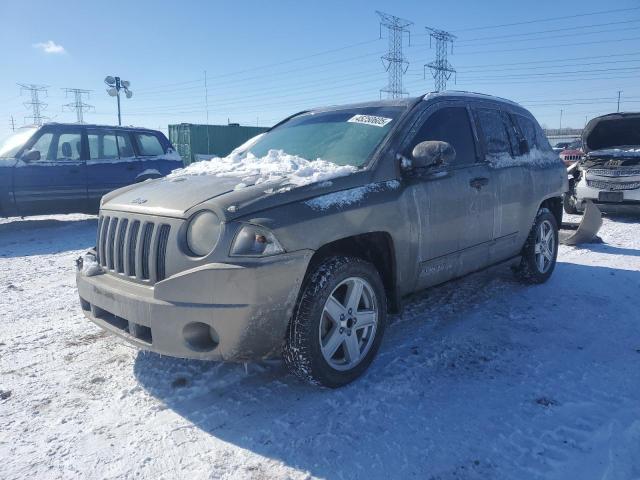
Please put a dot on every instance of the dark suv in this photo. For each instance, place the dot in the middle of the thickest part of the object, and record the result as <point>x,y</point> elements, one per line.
<point>65,168</point>
<point>265,252</point>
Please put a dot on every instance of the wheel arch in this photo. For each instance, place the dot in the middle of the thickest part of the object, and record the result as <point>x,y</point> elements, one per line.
<point>374,247</point>
<point>554,205</point>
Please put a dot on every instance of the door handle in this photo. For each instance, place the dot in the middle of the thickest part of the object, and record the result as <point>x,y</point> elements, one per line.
<point>131,167</point>
<point>479,182</point>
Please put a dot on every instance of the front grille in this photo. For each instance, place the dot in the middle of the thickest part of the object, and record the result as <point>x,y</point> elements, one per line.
<point>571,158</point>
<point>606,185</point>
<point>614,172</point>
<point>133,248</point>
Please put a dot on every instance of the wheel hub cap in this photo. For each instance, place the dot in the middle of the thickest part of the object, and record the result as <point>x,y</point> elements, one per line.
<point>348,324</point>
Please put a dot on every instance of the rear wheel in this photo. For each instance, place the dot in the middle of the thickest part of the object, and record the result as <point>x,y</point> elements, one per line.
<point>338,326</point>
<point>540,250</point>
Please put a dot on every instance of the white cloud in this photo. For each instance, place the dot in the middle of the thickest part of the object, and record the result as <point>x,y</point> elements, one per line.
<point>50,47</point>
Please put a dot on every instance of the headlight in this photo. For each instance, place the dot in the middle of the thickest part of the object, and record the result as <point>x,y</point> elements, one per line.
<point>255,241</point>
<point>203,233</point>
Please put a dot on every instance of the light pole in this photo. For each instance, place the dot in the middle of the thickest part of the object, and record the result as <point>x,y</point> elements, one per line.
<point>619,92</point>
<point>115,84</point>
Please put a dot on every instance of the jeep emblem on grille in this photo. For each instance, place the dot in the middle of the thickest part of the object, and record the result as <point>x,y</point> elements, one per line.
<point>139,201</point>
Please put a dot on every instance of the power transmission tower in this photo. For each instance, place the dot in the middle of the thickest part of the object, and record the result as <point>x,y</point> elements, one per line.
<point>394,61</point>
<point>78,105</point>
<point>13,124</point>
<point>36,105</point>
<point>441,69</point>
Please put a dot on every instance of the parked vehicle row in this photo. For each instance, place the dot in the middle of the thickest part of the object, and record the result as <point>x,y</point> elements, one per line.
<point>220,267</point>
<point>65,168</point>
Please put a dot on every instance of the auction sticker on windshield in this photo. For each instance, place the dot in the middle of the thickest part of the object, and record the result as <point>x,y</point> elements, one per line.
<point>370,120</point>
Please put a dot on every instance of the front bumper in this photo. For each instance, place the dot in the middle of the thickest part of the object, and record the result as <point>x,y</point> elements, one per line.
<point>630,202</point>
<point>218,311</point>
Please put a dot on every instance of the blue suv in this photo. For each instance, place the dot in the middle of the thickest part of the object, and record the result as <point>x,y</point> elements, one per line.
<point>66,168</point>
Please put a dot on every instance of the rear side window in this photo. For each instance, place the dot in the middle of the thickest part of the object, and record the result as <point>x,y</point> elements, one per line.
<point>109,145</point>
<point>125,150</point>
<point>533,133</point>
<point>148,144</point>
<point>495,126</point>
<point>451,125</point>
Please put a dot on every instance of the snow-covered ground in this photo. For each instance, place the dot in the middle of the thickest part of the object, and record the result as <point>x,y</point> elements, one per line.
<point>480,378</point>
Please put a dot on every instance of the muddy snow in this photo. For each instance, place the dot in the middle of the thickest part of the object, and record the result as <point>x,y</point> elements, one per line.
<point>480,378</point>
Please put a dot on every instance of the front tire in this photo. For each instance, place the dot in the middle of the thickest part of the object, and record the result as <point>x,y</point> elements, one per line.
<point>569,203</point>
<point>540,251</point>
<point>338,325</point>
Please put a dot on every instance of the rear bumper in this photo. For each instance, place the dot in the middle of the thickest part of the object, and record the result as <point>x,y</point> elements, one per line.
<point>214,312</point>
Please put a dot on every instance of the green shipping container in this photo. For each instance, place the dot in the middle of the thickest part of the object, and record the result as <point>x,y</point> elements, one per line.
<point>198,142</point>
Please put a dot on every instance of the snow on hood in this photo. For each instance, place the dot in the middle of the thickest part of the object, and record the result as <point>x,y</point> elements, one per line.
<point>616,153</point>
<point>275,165</point>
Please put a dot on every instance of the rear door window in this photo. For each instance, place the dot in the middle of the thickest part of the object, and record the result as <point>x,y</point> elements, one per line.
<point>148,144</point>
<point>125,150</point>
<point>102,145</point>
<point>497,132</point>
<point>451,125</point>
<point>109,145</point>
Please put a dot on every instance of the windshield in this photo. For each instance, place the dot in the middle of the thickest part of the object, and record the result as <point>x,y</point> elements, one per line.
<point>10,145</point>
<point>344,137</point>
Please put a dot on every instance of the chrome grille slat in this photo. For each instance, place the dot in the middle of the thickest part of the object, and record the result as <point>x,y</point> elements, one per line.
<point>607,185</point>
<point>111,233</point>
<point>103,241</point>
<point>98,254</point>
<point>147,233</point>
<point>163,238</point>
<point>131,248</point>
<point>119,249</point>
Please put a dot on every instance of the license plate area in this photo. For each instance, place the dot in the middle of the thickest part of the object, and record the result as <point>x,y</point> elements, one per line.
<point>611,196</point>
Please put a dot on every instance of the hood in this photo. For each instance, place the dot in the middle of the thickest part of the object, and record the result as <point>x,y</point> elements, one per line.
<point>170,197</point>
<point>616,131</point>
<point>183,195</point>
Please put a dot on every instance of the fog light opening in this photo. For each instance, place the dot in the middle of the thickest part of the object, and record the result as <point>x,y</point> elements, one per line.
<point>200,337</point>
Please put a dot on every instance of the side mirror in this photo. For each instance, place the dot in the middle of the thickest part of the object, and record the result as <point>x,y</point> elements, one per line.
<point>31,156</point>
<point>432,153</point>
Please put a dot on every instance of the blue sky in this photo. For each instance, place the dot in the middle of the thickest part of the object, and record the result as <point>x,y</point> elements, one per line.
<point>265,60</point>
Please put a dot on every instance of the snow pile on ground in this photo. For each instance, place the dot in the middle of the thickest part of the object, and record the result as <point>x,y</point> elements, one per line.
<point>90,267</point>
<point>349,197</point>
<point>480,378</point>
<point>275,165</point>
<point>535,157</point>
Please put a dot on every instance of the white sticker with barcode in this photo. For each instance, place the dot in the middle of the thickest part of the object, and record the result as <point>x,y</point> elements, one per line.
<point>370,120</point>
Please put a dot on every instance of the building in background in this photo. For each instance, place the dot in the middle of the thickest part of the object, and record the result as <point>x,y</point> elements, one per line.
<point>199,142</point>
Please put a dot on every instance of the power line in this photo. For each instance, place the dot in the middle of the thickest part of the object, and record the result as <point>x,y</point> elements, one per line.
<point>394,61</point>
<point>528,22</point>
<point>553,30</point>
<point>36,105</point>
<point>554,46</point>
<point>78,105</point>
<point>547,37</point>
<point>441,69</point>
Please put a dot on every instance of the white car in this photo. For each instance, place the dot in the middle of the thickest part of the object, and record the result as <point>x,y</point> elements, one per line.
<point>609,173</point>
